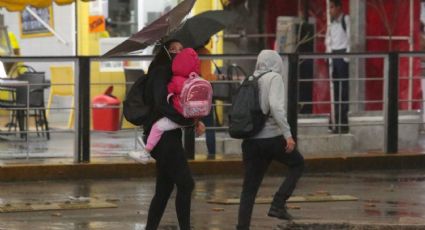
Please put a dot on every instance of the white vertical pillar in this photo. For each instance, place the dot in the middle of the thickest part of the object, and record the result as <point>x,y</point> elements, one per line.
<point>141,11</point>
<point>411,46</point>
<point>74,28</point>
<point>358,44</point>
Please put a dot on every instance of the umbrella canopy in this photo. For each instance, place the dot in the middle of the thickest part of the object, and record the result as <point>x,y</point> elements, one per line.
<point>19,5</point>
<point>154,31</point>
<point>198,29</point>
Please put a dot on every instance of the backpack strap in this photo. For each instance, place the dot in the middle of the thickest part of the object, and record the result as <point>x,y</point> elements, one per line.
<point>193,75</point>
<point>343,23</point>
<point>262,74</point>
<point>258,78</point>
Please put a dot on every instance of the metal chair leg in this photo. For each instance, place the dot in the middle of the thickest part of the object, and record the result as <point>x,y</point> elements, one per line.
<point>46,123</point>
<point>36,122</point>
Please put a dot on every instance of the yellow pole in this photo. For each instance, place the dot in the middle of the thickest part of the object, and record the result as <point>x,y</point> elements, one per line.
<point>88,43</point>
<point>216,43</point>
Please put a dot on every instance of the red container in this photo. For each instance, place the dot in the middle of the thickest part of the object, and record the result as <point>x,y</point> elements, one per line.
<point>106,111</point>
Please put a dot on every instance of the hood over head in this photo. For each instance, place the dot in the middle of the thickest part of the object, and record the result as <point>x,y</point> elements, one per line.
<point>269,60</point>
<point>185,62</point>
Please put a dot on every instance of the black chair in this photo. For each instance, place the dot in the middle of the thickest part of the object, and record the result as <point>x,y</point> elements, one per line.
<point>37,86</point>
<point>18,103</point>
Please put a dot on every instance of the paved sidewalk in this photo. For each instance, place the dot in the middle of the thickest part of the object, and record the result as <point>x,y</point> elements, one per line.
<point>124,167</point>
<point>386,198</point>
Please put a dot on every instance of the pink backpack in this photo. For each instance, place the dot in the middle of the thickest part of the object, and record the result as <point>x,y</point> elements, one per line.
<point>196,97</point>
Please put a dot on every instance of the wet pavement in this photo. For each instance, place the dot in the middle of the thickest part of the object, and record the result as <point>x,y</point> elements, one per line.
<point>386,198</point>
<point>61,145</point>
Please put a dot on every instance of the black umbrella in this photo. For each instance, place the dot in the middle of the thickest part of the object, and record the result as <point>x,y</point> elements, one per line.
<point>198,29</point>
<point>154,31</point>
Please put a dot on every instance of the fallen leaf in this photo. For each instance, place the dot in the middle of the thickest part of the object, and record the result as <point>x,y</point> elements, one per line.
<point>58,214</point>
<point>370,205</point>
<point>322,193</point>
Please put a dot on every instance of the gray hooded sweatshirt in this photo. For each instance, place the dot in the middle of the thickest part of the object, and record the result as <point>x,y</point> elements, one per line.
<point>272,95</point>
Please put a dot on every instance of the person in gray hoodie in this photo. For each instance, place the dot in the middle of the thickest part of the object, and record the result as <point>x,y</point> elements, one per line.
<point>273,142</point>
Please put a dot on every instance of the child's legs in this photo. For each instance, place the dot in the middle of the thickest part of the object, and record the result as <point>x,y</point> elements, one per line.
<point>162,125</point>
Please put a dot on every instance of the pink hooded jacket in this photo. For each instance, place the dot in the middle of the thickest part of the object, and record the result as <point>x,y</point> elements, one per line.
<point>184,63</point>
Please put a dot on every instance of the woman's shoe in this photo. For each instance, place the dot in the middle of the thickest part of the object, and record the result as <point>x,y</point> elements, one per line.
<point>280,213</point>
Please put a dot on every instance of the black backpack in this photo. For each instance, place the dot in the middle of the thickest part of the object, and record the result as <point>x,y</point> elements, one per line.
<point>135,109</point>
<point>246,117</point>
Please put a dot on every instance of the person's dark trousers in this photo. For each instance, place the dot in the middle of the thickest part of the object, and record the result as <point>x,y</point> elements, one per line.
<point>171,169</point>
<point>341,93</point>
<point>257,156</point>
<point>210,134</point>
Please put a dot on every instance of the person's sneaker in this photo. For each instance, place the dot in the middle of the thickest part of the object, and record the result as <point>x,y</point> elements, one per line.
<point>140,156</point>
<point>280,213</point>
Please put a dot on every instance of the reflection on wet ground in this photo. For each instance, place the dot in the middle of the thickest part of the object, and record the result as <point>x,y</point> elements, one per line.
<point>62,145</point>
<point>388,197</point>
<point>102,144</point>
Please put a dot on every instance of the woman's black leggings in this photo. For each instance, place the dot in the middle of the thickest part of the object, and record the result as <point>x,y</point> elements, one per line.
<point>171,169</point>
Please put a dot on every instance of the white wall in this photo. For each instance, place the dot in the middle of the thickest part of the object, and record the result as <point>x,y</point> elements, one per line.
<point>64,25</point>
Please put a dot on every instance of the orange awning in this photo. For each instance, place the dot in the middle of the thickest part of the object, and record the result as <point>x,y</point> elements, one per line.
<point>18,5</point>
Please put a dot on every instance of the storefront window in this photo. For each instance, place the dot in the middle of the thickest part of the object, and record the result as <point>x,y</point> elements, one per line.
<point>126,17</point>
<point>122,17</point>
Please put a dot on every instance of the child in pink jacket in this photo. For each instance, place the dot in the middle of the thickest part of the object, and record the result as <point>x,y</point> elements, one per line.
<point>184,63</point>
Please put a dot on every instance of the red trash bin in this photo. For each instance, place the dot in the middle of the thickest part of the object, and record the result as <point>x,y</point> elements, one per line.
<point>106,111</point>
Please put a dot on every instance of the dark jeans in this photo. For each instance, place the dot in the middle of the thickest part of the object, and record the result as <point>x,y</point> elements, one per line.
<point>171,169</point>
<point>341,94</point>
<point>210,134</point>
<point>257,156</point>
